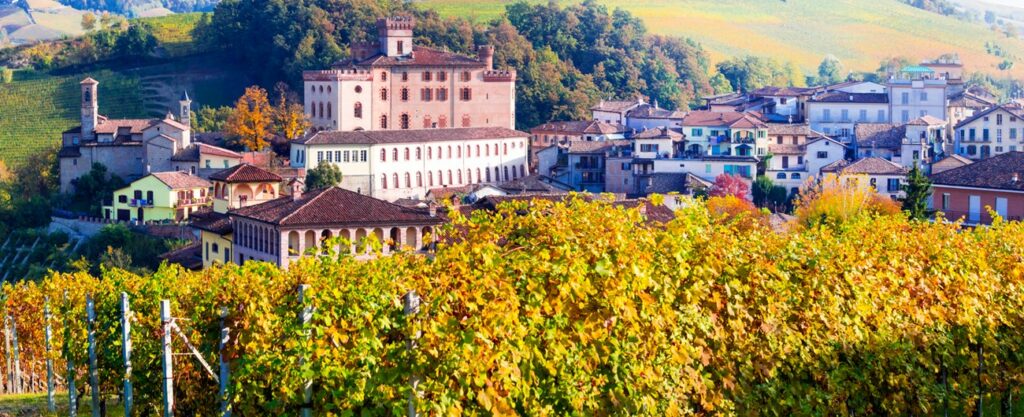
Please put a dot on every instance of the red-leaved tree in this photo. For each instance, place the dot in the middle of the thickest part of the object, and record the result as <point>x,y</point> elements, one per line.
<point>733,185</point>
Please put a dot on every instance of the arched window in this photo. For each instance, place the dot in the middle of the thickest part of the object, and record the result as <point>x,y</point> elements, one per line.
<point>795,176</point>
<point>430,178</point>
<point>406,153</point>
<point>469,176</point>
<point>328,89</point>
<point>419,179</point>
<point>419,153</point>
<point>384,94</point>
<point>450,177</point>
<point>506,173</point>
<point>426,122</point>
<point>440,155</point>
<point>384,181</point>
<point>321,110</point>
<point>497,174</point>
<point>505,148</point>
<point>384,121</point>
<point>383,154</point>
<point>487,150</point>
<point>358,110</point>
<point>404,121</point>
<point>394,154</point>
<point>522,170</point>
<point>440,178</point>
<point>465,120</point>
<point>459,172</point>
<point>495,149</point>
<point>312,89</point>
<point>469,151</point>
<point>514,173</point>
<point>321,88</point>
<point>478,179</point>
<point>330,113</point>
<point>458,151</point>
<point>477,151</point>
<point>394,180</point>
<point>449,151</point>
<point>442,121</point>
<point>408,180</point>
<point>430,153</point>
<point>781,176</point>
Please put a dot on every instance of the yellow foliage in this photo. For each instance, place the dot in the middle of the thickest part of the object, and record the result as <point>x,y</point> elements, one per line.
<point>251,121</point>
<point>835,201</point>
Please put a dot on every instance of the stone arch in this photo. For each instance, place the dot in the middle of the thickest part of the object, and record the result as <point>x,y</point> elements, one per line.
<point>294,243</point>
<point>411,238</point>
<point>310,240</point>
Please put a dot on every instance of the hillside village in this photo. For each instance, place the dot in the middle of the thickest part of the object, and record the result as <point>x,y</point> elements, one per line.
<point>416,131</point>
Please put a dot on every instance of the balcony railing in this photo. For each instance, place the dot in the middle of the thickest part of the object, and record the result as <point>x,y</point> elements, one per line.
<point>140,202</point>
<point>192,201</point>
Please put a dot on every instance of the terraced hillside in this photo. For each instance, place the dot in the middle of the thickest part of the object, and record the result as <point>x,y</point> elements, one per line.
<point>860,32</point>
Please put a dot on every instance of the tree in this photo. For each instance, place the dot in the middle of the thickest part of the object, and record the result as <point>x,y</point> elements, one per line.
<point>290,120</point>
<point>93,187</point>
<point>752,72</point>
<point>761,189</point>
<point>918,189</point>
<point>720,84</point>
<point>212,119</point>
<point>733,185</point>
<point>136,41</point>
<point>323,176</point>
<point>249,125</point>
<point>830,70</point>
<point>6,75</point>
<point>88,21</point>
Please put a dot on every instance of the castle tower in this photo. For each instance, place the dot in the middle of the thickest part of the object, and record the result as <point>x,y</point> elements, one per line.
<point>185,109</point>
<point>90,107</point>
<point>486,55</point>
<point>395,34</point>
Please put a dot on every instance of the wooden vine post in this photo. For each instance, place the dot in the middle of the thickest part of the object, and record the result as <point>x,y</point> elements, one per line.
<point>50,403</point>
<point>411,306</point>
<point>304,317</point>
<point>72,390</point>
<point>225,370</point>
<point>94,379</point>
<point>168,362</point>
<point>17,361</point>
<point>126,351</point>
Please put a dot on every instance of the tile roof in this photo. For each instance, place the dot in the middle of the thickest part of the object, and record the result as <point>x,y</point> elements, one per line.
<point>333,206</point>
<point>614,106</point>
<point>729,119</point>
<point>597,146</point>
<point>785,149</point>
<point>177,180</point>
<point>420,56</point>
<point>194,152</point>
<point>870,165</point>
<point>580,127</point>
<point>211,221</point>
<point>789,129</point>
<point>245,173</point>
<point>1001,172</point>
<point>927,120</point>
<point>69,152</point>
<point>535,184</point>
<point>174,123</point>
<point>647,111</point>
<point>843,97</point>
<point>190,257</point>
<point>659,133</point>
<point>782,91</point>
<point>971,100</point>
<point>879,135</point>
<point>408,136</point>
<point>110,126</point>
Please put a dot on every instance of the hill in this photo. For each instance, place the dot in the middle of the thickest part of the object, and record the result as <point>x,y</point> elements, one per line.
<point>861,33</point>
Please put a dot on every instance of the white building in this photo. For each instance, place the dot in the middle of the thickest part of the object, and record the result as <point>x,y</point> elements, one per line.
<point>791,165</point>
<point>390,165</point>
<point>885,177</point>
<point>917,94</point>
<point>835,113</point>
<point>991,132</point>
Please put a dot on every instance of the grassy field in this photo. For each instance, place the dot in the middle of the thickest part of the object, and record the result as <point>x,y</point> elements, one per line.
<point>25,405</point>
<point>861,33</point>
<point>174,32</point>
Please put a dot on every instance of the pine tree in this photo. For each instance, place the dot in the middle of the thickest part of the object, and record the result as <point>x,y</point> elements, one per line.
<point>918,188</point>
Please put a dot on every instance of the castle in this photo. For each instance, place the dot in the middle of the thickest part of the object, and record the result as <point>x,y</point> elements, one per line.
<point>133,148</point>
<point>393,84</point>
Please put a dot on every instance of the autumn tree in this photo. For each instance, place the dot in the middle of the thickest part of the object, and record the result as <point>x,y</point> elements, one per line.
<point>250,123</point>
<point>830,70</point>
<point>290,120</point>
<point>88,21</point>
<point>733,185</point>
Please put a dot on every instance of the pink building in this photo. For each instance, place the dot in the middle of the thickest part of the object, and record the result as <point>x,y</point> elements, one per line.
<point>393,84</point>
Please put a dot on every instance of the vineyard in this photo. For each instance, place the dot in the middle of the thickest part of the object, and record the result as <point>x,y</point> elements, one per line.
<point>558,308</point>
<point>37,107</point>
<point>27,253</point>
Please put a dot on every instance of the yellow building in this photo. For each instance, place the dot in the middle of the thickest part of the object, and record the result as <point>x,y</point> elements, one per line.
<point>160,196</point>
<point>236,187</point>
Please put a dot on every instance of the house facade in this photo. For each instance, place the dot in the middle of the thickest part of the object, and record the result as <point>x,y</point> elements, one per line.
<point>390,165</point>
<point>992,132</point>
<point>792,165</point>
<point>160,196</point>
<point>917,93</point>
<point>836,113</point>
<point>711,133</point>
<point>969,191</point>
<point>882,176</point>
<point>393,84</point>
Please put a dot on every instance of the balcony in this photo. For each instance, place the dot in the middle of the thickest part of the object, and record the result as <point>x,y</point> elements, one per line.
<point>140,202</point>
<point>197,201</point>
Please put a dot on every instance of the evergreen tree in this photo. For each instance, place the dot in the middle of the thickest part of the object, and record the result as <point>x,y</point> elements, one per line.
<point>918,188</point>
<point>323,176</point>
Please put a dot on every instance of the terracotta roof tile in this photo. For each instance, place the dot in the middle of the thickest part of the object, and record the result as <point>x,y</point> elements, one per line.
<point>1001,172</point>
<point>789,129</point>
<point>615,106</point>
<point>723,119</point>
<point>580,127</point>
<point>420,56</point>
<point>333,206</point>
<point>870,165</point>
<point>659,133</point>
<point>927,120</point>
<point>111,126</point>
<point>879,135</point>
<point>597,146</point>
<point>211,221</point>
<point>408,136</point>
<point>245,173</point>
<point>177,180</point>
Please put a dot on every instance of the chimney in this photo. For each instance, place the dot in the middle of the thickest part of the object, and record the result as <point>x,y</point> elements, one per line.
<point>296,186</point>
<point>1016,178</point>
<point>432,209</point>
<point>486,55</point>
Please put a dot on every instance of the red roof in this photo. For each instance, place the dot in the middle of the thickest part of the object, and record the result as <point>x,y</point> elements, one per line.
<point>245,173</point>
<point>179,180</point>
<point>334,206</point>
<point>729,119</point>
<point>420,56</point>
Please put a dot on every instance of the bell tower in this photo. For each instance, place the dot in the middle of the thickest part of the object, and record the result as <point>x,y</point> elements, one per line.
<point>395,35</point>
<point>185,109</point>
<point>90,107</point>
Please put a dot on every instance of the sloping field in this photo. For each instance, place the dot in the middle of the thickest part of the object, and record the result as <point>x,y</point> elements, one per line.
<point>860,32</point>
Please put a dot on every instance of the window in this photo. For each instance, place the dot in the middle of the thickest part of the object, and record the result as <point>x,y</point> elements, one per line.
<point>450,177</point>
<point>945,201</point>
<point>505,149</point>
<point>427,94</point>
<point>346,154</point>
<point>442,121</point>
<point>984,134</point>
<point>881,116</point>
<point>458,152</point>
<point>419,153</point>
<point>122,198</point>
<point>430,178</point>
<point>465,94</point>
<point>648,147</point>
<point>407,154</point>
<point>394,180</point>
<point>893,185</point>
<point>394,154</point>
<point>826,115</point>
<point>465,120</point>
<point>337,156</point>
<point>427,75</point>
<point>207,163</point>
<point>449,151</point>
<point>442,94</point>
<point>477,150</point>
<point>404,121</point>
<point>321,110</point>
<point>999,119</point>
<point>924,96</point>
<point>780,176</point>
<point>971,134</point>
<point>359,89</point>
<point>405,76</point>
<point>460,177</point>
<point>905,98</point>
<point>844,115</point>
<point>383,76</point>
<point>905,116</point>
<point>404,95</point>
<point>329,157</point>
<point>383,155</point>
<point>465,76</point>
<point>697,132</point>
<point>863,116</point>
<point>384,121</point>
<point>442,76</point>
<point>430,153</point>
<point>358,110</point>
<point>408,180</point>
<point>384,94</point>
<point>419,179</point>
<point>488,173</point>
<point>478,179</point>
<point>319,156</point>
<point>384,181</point>
<point>822,154</point>
<point>362,157</point>
<point>401,47</point>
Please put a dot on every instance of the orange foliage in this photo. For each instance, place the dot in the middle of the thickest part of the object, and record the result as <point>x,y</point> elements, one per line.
<point>736,211</point>
<point>834,202</point>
